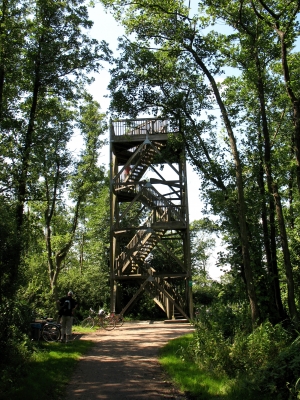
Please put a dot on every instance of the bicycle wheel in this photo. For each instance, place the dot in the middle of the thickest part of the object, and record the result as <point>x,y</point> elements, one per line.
<point>51,333</point>
<point>97,321</point>
<point>88,323</point>
<point>119,320</point>
<point>108,323</point>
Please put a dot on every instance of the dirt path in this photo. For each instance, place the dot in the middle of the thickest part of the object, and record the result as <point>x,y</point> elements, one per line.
<point>123,364</point>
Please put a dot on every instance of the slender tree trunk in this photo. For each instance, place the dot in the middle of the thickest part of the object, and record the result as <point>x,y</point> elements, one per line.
<point>22,183</point>
<point>2,55</point>
<point>275,24</point>
<point>2,75</point>
<point>270,250</point>
<point>273,188</point>
<point>81,254</point>
<point>291,205</point>
<point>21,187</point>
<point>286,255</point>
<point>294,101</point>
<point>255,313</point>
<point>55,265</point>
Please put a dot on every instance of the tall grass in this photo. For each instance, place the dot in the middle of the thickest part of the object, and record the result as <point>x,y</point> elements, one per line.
<point>195,381</point>
<point>262,365</point>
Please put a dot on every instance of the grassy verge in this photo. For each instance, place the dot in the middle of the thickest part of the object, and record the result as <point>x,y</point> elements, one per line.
<point>198,384</point>
<point>47,372</point>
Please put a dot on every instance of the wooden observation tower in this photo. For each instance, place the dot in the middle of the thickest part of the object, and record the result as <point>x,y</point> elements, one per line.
<point>149,226</point>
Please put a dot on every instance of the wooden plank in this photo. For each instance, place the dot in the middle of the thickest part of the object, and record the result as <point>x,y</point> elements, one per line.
<point>143,276</point>
<point>163,290</point>
<point>157,137</point>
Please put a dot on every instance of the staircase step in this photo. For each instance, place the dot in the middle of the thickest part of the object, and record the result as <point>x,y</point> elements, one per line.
<point>176,321</point>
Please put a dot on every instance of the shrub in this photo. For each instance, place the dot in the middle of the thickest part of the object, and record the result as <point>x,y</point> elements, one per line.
<point>253,352</point>
<point>266,360</point>
<point>281,376</point>
<point>210,349</point>
<point>15,345</point>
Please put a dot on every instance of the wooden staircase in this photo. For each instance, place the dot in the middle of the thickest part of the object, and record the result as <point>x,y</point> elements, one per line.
<point>137,147</point>
<point>145,239</point>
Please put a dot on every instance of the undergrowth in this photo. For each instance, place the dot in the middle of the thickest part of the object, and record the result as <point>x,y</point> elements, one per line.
<point>44,373</point>
<point>262,365</point>
<point>190,378</point>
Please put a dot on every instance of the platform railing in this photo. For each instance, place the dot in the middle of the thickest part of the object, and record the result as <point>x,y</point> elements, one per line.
<point>146,126</point>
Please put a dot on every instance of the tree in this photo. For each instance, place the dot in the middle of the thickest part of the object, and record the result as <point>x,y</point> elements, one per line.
<point>202,241</point>
<point>46,57</point>
<point>283,19</point>
<point>256,40</point>
<point>58,170</point>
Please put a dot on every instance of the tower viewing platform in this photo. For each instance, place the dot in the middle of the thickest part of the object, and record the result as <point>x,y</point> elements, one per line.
<point>149,235</point>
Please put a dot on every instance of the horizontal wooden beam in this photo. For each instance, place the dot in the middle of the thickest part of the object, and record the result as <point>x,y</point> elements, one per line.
<point>155,181</point>
<point>143,276</point>
<point>141,138</point>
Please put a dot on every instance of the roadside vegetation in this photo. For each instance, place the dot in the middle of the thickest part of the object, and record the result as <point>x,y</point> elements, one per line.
<point>187,375</point>
<point>42,371</point>
<point>213,363</point>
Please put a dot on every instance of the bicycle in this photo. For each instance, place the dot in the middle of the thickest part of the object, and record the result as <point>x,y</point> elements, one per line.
<point>103,321</point>
<point>115,319</point>
<point>51,332</point>
<point>47,329</point>
<point>119,320</point>
<point>89,321</point>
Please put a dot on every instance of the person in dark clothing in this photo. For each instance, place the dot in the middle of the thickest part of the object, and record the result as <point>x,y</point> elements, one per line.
<point>67,307</point>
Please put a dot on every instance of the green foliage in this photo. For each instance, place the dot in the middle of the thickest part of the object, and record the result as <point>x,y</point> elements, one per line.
<point>259,348</point>
<point>281,376</point>
<point>211,349</point>
<point>270,375</point>
<point>266,360</point>
<point>45,58</point>
<point>44,374</point>
<point>202,241</point>
<point>196,382</point>
<point>91,289</point>
<point>15,345</point>
<point>9,242</point>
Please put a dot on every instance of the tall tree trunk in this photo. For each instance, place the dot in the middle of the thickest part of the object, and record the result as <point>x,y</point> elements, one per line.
<point>270,249</point>
<point>255,313</point>
<point>286,255</point>
<point>55,264</point>
<point>295,101</point>
<point>2,55</point>
<point>22,181</point>
<point>273,188</point>
<point>289,19</point>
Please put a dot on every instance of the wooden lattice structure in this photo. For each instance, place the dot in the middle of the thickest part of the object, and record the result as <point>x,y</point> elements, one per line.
<point>149,240</point>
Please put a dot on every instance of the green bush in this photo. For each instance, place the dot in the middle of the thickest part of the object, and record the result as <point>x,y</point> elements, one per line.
<point>250,353</point>
<point>209,348</point>
<point>15,344</point>
<point>281,376</point>
<point>266,360</point>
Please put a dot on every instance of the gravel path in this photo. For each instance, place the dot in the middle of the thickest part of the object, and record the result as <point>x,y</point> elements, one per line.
<point>123,364</point>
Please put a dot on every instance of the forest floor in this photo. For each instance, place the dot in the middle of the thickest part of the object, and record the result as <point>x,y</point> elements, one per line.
<point>123,363</point>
